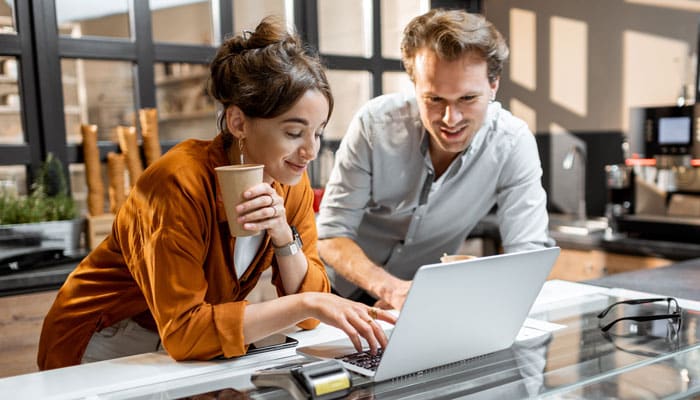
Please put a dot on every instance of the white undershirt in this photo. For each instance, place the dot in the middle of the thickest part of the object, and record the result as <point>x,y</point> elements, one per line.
<point>244,251</point>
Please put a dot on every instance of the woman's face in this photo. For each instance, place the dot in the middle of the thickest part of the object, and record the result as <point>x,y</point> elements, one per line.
<point>286,144</point>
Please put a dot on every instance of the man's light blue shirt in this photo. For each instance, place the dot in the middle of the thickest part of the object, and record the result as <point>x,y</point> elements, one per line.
<point>382,194</point>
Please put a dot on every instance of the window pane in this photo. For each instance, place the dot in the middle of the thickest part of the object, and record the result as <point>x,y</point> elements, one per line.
<point>185,110</point>
<point>7,20</point>
<point>187,22</point>
<point>395,16</point>
<point>77,18</point>
<point>10,117</point>
<point>13,180</point>
<point>345,27</point>
<point>397,82</point>
<point>247,14</point>
<point>351,89</point>
<point>97,92</point>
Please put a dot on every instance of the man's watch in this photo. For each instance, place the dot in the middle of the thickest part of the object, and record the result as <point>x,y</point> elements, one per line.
<point>292,247</point>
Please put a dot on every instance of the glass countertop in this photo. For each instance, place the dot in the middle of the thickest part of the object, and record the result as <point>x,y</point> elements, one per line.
<point>653,359</point>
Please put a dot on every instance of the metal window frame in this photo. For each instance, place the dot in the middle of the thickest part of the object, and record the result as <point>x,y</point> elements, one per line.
<point>143,52</point>
<point>39,49</point>
<point>21,45</point>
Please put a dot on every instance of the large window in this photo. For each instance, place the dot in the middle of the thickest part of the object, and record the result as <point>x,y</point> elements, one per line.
<point>64,63</point>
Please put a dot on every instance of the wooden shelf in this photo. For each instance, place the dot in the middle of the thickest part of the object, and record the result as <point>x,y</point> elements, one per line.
<point>165,118</point>
<point>72,109</point>
<point>176,80</point>
<point>9,110</point>
<point>69,80</point>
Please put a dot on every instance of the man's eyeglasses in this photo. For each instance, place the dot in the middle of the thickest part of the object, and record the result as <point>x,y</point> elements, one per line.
<point>673,312</point>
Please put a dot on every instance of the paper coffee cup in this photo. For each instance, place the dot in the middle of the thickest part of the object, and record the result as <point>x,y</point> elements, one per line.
<point>234,180</point>
<point>455,257</point>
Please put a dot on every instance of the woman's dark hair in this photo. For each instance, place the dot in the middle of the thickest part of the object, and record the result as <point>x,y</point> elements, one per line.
<point>265,72</point>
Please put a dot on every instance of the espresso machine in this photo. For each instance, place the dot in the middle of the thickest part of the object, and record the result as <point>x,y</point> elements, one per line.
<point>657,193</point>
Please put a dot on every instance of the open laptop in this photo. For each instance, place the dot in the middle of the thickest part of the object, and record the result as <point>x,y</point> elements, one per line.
<point>453,311</point>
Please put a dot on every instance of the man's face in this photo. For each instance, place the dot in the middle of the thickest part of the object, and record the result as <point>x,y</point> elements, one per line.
<point>453,97</point>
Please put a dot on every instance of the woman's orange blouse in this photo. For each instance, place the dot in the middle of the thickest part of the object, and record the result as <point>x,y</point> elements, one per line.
<point>168,264</point>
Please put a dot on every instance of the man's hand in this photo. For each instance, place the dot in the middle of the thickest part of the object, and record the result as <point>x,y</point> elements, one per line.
<point>348,260</point>
<point>393,293</point>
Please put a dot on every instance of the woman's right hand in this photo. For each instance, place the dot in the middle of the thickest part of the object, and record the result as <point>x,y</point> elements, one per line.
<point>353,318</point>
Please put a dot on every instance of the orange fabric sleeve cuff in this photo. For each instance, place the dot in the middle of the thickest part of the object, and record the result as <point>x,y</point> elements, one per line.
<point>228,318</point>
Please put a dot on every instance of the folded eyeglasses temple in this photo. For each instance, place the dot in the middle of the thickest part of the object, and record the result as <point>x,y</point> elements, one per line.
<point>640,318</point>
<point>639,301</point>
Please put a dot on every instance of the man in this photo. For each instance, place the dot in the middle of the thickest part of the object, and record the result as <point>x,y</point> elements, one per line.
<point>414,175</point>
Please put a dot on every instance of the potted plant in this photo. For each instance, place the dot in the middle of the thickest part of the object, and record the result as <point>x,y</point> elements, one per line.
<point>48,212</point>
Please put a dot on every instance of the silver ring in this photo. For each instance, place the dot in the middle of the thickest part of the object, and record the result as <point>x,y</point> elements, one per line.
<point>275,212</point>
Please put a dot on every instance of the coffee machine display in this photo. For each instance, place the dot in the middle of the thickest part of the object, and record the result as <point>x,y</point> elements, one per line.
<point>669,135</point>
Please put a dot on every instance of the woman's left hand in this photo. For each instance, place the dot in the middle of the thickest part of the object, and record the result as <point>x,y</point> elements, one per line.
<point>263,209</point>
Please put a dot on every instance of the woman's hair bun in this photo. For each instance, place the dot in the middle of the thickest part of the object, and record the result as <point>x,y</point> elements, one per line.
<point>270,31</point>
<point>264,72</point>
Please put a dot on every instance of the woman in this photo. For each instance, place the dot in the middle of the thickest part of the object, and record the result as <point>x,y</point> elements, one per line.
<point>170,274</point>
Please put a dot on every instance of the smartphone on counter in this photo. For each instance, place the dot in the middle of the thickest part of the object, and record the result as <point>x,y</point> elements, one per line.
<point>271,343</point>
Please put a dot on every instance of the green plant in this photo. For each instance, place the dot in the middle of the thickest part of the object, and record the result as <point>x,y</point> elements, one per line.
<point>48,199</point>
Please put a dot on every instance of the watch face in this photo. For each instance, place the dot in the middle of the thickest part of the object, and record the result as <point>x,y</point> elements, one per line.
<point>289,249</point>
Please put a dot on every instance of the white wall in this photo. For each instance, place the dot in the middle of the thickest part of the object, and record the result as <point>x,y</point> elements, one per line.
<point>594,59</point>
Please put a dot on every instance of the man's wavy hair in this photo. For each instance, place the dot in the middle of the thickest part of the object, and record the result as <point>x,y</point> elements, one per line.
<point>451,34</point>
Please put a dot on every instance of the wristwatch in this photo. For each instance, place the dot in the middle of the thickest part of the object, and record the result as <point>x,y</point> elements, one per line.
<point>292,247</point>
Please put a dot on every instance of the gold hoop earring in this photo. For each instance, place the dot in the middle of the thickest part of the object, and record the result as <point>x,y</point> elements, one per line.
<point>240,151</point>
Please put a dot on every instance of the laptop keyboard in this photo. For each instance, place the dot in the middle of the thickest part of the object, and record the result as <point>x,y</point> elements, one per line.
<point>363,359</point>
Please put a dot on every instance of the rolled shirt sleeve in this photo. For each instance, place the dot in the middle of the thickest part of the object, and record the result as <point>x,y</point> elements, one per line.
<point>167,246</point>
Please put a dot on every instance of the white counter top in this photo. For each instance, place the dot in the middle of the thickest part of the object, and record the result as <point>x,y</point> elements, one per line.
<point>147,374</point>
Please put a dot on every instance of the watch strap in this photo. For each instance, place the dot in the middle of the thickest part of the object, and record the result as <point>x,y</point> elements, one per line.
<point>290,248</point>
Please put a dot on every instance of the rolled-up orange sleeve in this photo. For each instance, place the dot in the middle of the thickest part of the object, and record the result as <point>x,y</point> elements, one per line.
<point>171,256</point>
<point>229,326</point>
